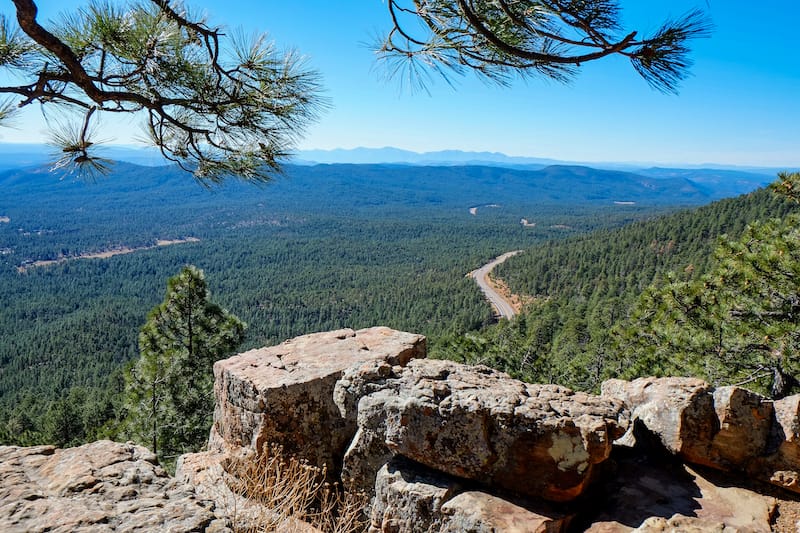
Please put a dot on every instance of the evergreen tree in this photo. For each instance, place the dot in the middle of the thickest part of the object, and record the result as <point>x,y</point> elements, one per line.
<point>737,324</point>
<point>169,396</point>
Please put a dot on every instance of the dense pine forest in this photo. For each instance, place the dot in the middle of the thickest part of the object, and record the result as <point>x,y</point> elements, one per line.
<point>582,290</point>
<point>326,247</point>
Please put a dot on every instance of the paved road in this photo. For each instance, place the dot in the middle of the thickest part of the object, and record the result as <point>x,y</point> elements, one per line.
<point>500,304</point>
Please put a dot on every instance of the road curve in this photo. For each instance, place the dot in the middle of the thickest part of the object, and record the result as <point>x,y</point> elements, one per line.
<point>502,306</point>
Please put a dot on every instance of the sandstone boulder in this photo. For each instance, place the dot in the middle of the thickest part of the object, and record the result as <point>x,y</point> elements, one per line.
<point>102,486</point>
<point>284,394</point>
<point>479,424</point>
<point>677,411</point>
<point>724,428</point>
<point>781,464</point>
<point>410,498</point>
<point>745,419</point>
<point>727,428</point>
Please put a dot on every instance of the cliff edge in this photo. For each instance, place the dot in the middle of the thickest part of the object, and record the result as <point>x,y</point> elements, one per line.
<point>437,446</point>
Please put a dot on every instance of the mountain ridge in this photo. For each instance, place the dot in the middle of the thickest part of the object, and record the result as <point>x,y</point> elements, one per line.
<point>378,184</point>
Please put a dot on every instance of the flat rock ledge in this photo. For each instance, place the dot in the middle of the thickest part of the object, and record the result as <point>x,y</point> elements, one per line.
<point>97,487</point>
<point>284,394</point>
<point>540,441</point>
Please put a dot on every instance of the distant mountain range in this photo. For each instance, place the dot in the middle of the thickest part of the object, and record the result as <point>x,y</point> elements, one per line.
<point>458,157</point>
<point>398,156</point>
<point>348,187</point>
<point>713,182</point>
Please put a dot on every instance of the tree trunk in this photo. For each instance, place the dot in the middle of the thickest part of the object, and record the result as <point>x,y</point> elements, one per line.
<point>782,383</point>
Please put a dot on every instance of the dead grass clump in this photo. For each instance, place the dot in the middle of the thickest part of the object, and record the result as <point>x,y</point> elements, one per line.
<point>286,494</point>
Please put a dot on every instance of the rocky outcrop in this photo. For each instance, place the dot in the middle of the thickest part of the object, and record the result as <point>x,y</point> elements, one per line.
<point>438,447</point>
<point>728,428</point>
<point>284,394</point>
<point>102,486</point>
<point>410,497</point>
<point>479,424</point>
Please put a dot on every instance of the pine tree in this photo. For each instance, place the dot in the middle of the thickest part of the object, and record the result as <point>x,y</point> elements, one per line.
<point>737,324</point>
<point>169,399</point>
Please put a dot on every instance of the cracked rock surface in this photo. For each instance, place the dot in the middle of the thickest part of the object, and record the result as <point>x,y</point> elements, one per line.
<point>476,423</point>
<point>284,394</point>
<point>102,486</point>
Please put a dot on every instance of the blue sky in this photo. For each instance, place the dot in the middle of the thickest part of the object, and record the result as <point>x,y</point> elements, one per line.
<point>740,107</point>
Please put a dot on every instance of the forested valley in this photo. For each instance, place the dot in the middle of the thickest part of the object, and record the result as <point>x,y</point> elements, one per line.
<point>583,290</point>
<point>326,247</point>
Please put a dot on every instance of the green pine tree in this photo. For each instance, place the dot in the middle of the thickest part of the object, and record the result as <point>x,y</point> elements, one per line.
<point>737,324</point>
<point>169,390</point>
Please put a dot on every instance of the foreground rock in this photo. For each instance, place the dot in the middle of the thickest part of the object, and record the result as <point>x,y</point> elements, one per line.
<point>727,428</point>
<point>102,486</point>
<point>284,394</point>
<point>679,412</point>
<point>412,498</point>
<point>439,447</point>
<point>479,424</point>
<point>652,494</point>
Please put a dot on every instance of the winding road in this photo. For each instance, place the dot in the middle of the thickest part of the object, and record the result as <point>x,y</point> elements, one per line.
<point>501,305</point>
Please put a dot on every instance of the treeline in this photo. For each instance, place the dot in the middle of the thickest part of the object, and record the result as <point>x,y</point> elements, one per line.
<point>583,288</point>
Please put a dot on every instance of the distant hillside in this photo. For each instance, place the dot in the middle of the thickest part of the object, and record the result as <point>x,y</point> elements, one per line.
<point>475,185</point>
<point>337,186</point>
<point>460,158</point>
<point>716,181</point>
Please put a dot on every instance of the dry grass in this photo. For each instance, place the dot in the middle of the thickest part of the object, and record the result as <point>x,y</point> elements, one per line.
<point>278,493</point>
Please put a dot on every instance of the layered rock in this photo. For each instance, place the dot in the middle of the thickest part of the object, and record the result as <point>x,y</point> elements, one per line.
<point>727,428</point>
<point>102,486</point>
<point>284,394</point>
<point>479,424</point>
<point>410,497</point>
<point>781,464</point>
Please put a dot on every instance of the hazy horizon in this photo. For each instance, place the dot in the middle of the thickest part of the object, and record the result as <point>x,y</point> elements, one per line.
<point>739,106</point>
